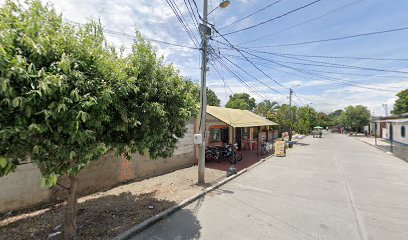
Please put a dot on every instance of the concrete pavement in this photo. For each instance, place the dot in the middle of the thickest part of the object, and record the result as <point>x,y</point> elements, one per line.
<point>335,187</point>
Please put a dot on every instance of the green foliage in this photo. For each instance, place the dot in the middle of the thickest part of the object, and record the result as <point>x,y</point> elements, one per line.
<point>67,97</point>
<point>333,119</point>
<point>212,98</point>
<point>241,101</point>
<point>267,109</point>
<point>354,117</point>
<point>286,116</point>
<point>401,104</point>
<point>306,118</point>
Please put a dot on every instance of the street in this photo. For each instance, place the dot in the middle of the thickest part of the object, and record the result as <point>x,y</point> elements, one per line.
<point>336,187</point>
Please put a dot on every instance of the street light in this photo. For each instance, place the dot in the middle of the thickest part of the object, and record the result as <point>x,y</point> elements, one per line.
<point>222,4</point>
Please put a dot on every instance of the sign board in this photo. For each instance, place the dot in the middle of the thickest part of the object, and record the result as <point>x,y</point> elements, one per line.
<point>280,149</point>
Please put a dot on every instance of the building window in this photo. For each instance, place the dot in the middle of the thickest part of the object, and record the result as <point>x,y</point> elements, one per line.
<point>215,135</point>
<point>403,131</point>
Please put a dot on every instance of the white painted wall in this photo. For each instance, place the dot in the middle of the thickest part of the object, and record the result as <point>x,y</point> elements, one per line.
<point>397,132</point>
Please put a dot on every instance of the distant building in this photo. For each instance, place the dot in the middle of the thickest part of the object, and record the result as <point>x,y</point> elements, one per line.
<point>393,128</point>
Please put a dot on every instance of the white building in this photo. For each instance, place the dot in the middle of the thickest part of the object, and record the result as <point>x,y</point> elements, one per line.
<point>393,128</point>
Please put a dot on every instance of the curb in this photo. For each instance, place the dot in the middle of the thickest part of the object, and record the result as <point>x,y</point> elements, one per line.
<point>388,152</point>
<point>133,231</point>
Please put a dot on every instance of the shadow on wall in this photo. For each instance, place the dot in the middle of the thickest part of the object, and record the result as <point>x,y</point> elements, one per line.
<point>102,217</point>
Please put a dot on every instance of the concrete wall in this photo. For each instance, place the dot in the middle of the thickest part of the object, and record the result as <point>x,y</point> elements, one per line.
<point>397,132</point>
<point>22,188</point>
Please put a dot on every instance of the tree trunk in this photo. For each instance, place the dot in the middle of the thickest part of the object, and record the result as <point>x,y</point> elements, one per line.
<point>70,210</point>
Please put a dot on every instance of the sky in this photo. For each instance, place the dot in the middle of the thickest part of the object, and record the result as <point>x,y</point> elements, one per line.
<point>315,80</point>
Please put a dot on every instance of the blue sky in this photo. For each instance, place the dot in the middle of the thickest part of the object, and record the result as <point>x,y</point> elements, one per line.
<point>155,19</point>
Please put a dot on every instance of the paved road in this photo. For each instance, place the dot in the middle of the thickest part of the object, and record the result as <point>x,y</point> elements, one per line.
<point>336,187</point>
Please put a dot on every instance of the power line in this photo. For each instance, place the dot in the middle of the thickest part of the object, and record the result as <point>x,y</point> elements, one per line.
<point>239,51</point>
<point>222,78</point>
<point>253,76</point>
<point>239,20</point>
<point>330,72</point>
<point>302,23</point>
<point>130,36</point>
<point>334,39</point>
<point>340,57</point>
<point>325,64</point>
<point>296,96</point>
<point>318,75</point>
<point>192,15</point>
<point>272,19</point>
<point>240,79</point>
<point>316,101</point>
<point>121,34</point>
<point>181,19</point>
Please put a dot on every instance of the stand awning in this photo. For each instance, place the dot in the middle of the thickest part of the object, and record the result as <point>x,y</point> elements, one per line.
<point>238,118</point>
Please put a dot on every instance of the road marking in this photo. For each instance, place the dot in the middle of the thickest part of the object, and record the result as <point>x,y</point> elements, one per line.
<point>359,222</point>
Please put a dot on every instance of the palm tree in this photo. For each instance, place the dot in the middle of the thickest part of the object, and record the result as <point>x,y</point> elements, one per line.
<point>267,109</point>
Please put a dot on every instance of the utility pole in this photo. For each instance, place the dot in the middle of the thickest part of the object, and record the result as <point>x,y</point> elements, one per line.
<point>290,114</point>
<point>204,30</point>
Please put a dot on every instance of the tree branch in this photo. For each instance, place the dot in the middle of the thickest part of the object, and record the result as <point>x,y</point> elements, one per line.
<point>62,186</point>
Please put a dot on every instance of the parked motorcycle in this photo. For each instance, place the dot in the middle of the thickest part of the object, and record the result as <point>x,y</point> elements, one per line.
<point>220,153</point>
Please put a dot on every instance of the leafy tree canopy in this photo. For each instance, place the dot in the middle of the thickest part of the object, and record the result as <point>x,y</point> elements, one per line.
<point>401,104</point>
<point>355,117</point>
<point>305,120</point>
<point>241,101</point>
<point>212,98</point>
<point>267,109</point>
<point>67,97</point>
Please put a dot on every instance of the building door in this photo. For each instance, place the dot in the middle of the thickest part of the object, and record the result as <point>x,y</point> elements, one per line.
<point>238,137</point>
<point>224,135</point>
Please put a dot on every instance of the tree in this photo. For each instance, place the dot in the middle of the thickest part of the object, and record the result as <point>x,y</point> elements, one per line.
<point>241,101</point>
<point>355,117</point>
<point>212,98</point>
<point>322,119</point>
<point>286,117</point>
<point>67,98</point>
<point>334,118</point>
<point>267,109</point>
<point>401,104</point>
<point>306,118</point>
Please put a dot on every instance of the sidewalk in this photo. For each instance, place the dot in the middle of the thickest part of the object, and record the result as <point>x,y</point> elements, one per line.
<point>398,149</point>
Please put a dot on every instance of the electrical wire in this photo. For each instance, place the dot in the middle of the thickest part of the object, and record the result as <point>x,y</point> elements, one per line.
<point>250,15</point>
<point>239,78</point>
<point>333,39</point>
<point>239,51</point>
<point>339,57</point>
<point>130,36</point>
<point>305,22</point>
<point>330,72</point>
<point>272,19</point>
<point>192,14</point>
<point>182,21</point>
<point>217,71</point>
<point>318,75</point>
<point>322,64</point>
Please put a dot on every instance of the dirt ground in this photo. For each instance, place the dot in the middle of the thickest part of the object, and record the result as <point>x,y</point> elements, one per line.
<point>106,214</point>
